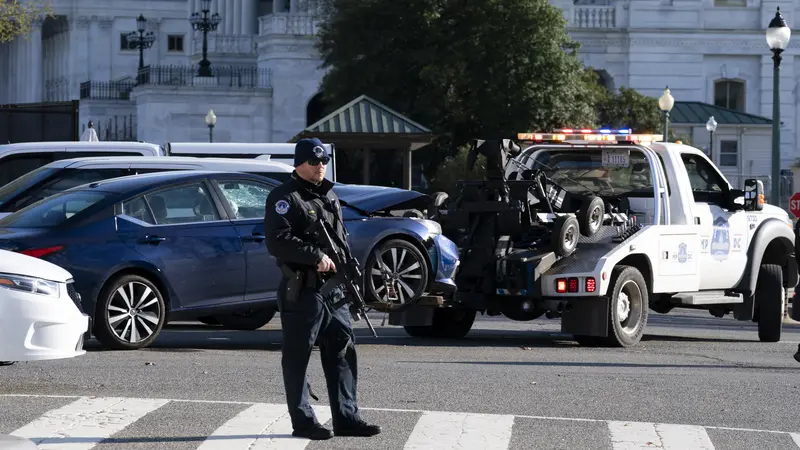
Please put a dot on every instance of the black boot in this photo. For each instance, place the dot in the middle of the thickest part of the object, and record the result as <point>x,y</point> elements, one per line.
<point>315,433</point>
<point>797,355</point>
<point>358,428</point>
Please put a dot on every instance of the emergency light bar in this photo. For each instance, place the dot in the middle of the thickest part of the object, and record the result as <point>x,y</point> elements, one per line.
<point>595,136</point>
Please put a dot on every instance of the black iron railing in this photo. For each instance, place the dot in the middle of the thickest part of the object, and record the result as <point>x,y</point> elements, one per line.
<point>245,77</point>
<point>107,90</point>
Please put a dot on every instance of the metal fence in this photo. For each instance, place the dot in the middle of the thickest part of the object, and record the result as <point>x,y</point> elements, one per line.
<point>116,128</point>
<point>107,90</point>
<point>245,77</point>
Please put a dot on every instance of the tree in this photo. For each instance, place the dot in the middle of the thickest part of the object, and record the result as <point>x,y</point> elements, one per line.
<point>17,17</point>
<point>466,69</point>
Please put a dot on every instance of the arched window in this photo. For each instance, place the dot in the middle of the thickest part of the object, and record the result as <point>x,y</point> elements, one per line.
<point>730,94</point>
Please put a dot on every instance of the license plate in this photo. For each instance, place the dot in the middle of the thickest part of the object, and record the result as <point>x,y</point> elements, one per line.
<point>616,158</point>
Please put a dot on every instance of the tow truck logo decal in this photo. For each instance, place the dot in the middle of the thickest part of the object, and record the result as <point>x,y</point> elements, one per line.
<point>720,239</point>
<point>683,253</point>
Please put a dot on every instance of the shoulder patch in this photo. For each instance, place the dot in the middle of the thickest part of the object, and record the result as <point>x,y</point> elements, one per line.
<point>281,207</point>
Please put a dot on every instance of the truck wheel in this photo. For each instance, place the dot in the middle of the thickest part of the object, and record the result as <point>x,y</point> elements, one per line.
<point>769,302</point>
<point>565,235</point>
<point>590,216</point>
<point>448,323</point>
<point>628,307</point>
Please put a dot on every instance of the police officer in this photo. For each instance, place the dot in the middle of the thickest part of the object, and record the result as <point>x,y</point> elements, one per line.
<point>307,316</point>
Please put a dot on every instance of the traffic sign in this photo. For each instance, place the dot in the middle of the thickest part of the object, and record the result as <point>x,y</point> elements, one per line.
<point>794,204</point>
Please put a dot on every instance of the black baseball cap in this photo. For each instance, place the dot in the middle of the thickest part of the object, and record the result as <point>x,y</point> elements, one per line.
<point>310,150</point>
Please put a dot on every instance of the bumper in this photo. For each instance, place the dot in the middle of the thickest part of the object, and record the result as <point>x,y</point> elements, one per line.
<point>35,327</point>
<point>444,258</point>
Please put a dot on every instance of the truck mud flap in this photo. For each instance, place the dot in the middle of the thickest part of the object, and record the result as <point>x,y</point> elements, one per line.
<point>586,317</point>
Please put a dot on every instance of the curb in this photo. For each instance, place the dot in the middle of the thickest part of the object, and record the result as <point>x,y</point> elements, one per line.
<point>8,442</point>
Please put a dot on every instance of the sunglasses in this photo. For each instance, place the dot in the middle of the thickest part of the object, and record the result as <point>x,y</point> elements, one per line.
<point>315,161</point>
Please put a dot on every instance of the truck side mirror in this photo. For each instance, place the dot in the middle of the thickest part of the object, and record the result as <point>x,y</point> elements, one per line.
<point>753,194</point>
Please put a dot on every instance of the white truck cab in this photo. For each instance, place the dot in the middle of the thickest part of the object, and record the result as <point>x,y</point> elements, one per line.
<point>699,242</point>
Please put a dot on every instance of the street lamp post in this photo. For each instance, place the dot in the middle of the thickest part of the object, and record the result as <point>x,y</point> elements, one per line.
<point>778,35</point>
<point>665,103</point>
<point>141,41</point>
<point>205,24</point>
<point>711,126</point>
<point>211,120</point>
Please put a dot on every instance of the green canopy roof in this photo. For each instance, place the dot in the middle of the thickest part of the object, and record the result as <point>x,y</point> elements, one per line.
<point>366,115</point>
<point>698,113</point>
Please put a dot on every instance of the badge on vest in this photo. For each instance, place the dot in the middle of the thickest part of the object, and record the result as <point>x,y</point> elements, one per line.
<point>281,207</point>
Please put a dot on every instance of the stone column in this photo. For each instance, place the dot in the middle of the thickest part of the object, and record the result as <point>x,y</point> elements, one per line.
<point>229,17</point>
<point>237,17</point>
<point>36,79</point>
<point>250,17</point>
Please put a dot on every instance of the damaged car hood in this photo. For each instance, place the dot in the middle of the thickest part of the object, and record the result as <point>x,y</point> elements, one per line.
<point>371,199</point>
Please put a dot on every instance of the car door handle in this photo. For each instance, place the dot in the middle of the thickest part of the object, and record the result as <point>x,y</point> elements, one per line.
<point>255,238</point>
<point>152,239</point>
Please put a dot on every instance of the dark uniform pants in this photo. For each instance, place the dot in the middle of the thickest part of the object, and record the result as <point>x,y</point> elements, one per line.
<point>308,320</point>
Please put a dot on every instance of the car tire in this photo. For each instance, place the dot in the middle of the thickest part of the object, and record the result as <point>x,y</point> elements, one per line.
<point>249,320</point>
<point>114,299</point>
<point>628,307</point>
<point>590,217</point>
<point>769,301</point>
<point>400,256</point>
<point>565,235</point>
<point>448,323</point>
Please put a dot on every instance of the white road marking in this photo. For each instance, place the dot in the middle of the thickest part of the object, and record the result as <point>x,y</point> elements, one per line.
<point>437,430</point>
<point>641,435</point>
<point>86,422</point>
<point>262,426</point>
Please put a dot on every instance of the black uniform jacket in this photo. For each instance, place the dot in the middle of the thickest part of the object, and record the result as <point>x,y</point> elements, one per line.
<point>292,207</point>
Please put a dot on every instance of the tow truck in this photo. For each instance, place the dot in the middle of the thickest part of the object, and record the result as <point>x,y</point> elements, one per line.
<point>597,228</point>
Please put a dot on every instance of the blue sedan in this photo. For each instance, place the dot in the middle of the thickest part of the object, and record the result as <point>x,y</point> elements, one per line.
<point>149,249</point>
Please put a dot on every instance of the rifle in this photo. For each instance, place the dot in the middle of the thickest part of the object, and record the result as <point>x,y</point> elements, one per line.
<point>347,269</point>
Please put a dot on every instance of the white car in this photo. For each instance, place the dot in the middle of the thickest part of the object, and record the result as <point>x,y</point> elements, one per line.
<point>39,316</point>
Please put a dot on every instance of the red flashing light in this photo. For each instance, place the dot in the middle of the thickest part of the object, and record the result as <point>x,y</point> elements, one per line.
<point>561,285</point>
<point>39,252</point>
<point>591,284</point>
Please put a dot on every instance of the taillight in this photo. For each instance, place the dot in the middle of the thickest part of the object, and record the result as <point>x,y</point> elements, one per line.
<point>572,285</point>
<point>591,284</point>
<point>39,252</point>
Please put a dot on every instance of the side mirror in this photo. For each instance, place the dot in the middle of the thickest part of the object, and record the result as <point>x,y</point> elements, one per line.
<point>735,200</point>
<point>753,194</point>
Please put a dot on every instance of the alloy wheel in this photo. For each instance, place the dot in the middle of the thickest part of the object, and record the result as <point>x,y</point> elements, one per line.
<point>404,275</point>
<point>133,312</point>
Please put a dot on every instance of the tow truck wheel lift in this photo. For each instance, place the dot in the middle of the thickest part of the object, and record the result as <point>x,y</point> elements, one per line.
<point>505,248</point>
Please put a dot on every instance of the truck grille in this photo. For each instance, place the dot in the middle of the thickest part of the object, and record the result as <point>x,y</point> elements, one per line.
<point>73,294</point>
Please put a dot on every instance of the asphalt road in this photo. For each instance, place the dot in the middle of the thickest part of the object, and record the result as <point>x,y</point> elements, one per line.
<point>690,368</point>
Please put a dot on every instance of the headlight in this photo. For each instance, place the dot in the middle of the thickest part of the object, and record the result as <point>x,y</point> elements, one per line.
<point>29,284</point>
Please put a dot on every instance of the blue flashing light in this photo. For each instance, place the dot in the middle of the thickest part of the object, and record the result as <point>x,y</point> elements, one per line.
<point>605,131</point>
<point>624,131</point>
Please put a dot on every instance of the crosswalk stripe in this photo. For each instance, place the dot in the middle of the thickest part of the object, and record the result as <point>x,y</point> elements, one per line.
<point>82,424</point>
<point>436,430</point>
<point>263,426</point>
<point>642,435</point>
